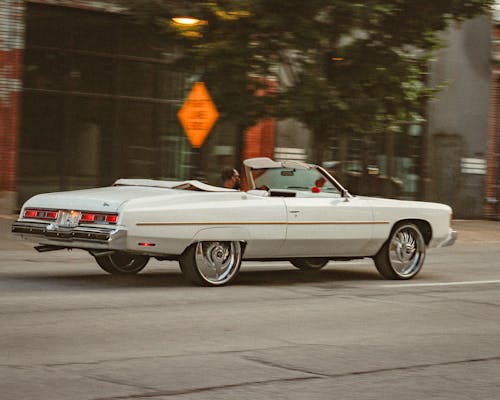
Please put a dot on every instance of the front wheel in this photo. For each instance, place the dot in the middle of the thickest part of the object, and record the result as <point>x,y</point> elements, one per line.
<point>211,263</point>
<point>309,264</point>
<point>402,256</point>
<point>120,263</point>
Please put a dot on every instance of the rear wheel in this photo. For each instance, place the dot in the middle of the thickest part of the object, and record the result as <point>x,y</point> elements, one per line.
<point>309,264</point>
<point>402,256</point>
<point>120,263</point>
<point>211,263</point>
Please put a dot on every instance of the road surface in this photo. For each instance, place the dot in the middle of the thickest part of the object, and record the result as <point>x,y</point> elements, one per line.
<point>70,331</point>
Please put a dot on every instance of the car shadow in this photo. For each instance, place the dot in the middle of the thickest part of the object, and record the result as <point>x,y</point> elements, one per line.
<point>174,278</point>
<point>287,277</point>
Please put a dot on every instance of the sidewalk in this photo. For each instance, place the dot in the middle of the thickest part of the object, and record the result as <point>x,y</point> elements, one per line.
<point>473,230</point>
<point>469,231</point>
<point>7,240</point>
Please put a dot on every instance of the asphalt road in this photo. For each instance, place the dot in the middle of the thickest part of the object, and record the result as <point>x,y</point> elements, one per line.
<point>70,331</point>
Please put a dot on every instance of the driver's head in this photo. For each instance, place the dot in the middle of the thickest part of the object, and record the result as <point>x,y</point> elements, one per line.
<point>230,178</point>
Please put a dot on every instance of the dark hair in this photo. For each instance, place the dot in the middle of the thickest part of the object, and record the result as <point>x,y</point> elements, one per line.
<point>227,173</point>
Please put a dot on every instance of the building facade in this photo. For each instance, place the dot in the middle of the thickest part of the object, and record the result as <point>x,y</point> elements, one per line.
<point>87,98</point>
<point>11,45</point>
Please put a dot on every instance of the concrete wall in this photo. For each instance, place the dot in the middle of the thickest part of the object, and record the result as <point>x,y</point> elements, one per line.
<point>458,119</point>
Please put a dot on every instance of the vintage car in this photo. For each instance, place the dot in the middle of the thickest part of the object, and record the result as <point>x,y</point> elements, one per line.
<point>292,211</point>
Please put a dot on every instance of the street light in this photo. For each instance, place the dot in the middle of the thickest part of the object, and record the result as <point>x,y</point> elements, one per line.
<point>188,21</point>
<point>186,14</point>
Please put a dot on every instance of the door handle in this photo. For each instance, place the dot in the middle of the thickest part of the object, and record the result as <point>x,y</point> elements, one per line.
<point>294,211</point>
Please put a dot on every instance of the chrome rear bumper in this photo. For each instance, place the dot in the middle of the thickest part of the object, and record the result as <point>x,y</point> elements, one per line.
<point>77,237</point>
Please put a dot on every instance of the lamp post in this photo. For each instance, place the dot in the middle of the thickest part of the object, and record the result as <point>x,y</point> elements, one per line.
<point>198,113</point>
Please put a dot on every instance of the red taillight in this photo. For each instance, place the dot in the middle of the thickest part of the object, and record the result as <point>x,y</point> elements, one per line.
<point>98,218</point>
<point>111,219</point>
<point>87,217</point>
<point>30,214</point>
<point>51,214</point>
<point>40,214</point>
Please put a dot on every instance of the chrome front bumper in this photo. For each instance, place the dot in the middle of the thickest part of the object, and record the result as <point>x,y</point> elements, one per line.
<point>450,239</point>
<point>77,237</point>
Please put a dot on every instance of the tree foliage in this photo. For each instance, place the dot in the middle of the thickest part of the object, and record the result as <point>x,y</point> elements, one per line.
<point>337,65</point>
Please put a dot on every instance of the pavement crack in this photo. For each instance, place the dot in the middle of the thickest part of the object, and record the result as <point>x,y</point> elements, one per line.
<point>166,393</point>
<point>101,361</point>
<point>316,376</point>
<point>416,366</point>
<point>287,368</point>
<point>175,355</point>
<point>117,382</point>
<point>375,371</point>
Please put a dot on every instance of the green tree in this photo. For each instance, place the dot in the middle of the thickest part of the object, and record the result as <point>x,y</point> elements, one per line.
<point>338,66</point>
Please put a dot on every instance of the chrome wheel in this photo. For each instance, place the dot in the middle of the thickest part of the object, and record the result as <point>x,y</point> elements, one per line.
<point>405,251</point>
<point>211,263</point>
<point>403,254</point>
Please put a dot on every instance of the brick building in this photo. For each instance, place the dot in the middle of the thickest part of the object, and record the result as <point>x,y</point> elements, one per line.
<point>86,98</point>
<point>11,45</point>
<point>492,203</point>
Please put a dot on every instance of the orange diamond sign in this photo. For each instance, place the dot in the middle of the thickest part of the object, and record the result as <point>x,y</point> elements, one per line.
<point>198,114</point>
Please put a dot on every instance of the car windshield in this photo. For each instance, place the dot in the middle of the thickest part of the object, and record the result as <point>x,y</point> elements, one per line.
<point>293,179</point>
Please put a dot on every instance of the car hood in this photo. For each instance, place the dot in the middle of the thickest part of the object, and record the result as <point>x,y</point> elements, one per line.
<point>394,203</point>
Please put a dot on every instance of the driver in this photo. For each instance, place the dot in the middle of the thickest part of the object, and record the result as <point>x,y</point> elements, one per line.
<point>231,178</point>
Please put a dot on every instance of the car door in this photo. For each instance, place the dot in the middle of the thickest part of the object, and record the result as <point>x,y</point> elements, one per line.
<point>328,226</point>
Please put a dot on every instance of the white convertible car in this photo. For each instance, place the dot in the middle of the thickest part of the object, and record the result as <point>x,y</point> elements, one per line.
<point>293,211</point>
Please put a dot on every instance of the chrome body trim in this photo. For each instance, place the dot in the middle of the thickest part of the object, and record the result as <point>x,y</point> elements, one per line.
<point>264,223</point>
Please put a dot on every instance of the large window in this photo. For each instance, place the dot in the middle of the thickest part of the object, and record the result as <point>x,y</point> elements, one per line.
<point>99,103</point>
<point>378,164</point>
